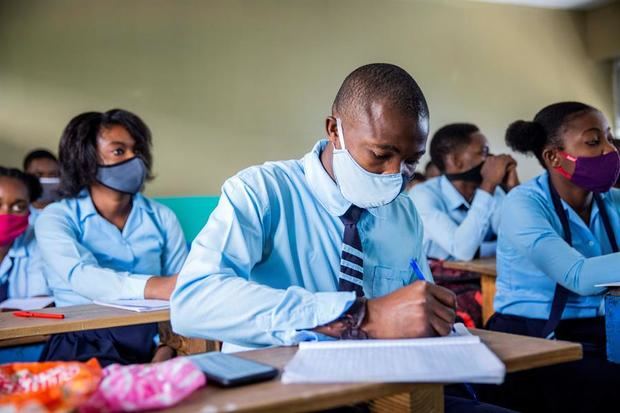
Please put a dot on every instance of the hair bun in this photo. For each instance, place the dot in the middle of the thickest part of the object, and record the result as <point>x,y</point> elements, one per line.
<point>524,136</point>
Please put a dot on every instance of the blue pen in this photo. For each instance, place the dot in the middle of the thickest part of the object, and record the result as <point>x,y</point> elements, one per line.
<point>416,269</point>
<point>413,263</point>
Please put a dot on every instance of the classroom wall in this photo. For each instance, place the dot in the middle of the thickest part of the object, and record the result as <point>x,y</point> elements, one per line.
<point>603,31</point>
<point>231,83</point>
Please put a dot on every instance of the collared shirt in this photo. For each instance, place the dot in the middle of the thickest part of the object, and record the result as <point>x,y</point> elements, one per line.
<point>264,270</point>
<point>454,229</point>
<point>22,268</point>
<point>532,256</point>
<point>87,258</point>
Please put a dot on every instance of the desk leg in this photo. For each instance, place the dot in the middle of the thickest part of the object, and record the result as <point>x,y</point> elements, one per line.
<point>426,398</point>
<point>184,345</point>
<point>487,287</point>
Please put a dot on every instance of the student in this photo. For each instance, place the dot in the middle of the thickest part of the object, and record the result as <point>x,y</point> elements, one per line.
<point>106,241</point>
<point>44,165</point>
<point>460,209</point>
<point>271,266</point>
<point>559,237</point>
<point>21,273</point>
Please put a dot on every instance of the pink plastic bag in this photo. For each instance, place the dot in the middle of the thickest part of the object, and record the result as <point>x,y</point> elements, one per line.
<point>144,386</point>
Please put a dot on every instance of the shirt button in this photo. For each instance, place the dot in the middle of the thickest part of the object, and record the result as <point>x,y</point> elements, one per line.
<point>591,243</point>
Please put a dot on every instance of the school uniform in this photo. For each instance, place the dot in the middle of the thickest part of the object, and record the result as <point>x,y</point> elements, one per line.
<point>457,229</point>
<point>21,276</point>
<point>265,269</point>
<point>88,258</point>
<point>535,263</point>
<point>454,228</point>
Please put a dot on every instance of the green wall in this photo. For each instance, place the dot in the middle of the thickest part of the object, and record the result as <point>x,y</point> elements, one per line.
<point>227,84</point>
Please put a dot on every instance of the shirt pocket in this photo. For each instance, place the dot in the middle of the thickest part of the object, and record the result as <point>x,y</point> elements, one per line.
<point>387,279</point>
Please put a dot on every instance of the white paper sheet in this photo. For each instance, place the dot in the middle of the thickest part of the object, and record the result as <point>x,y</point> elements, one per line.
<point>452,359</point>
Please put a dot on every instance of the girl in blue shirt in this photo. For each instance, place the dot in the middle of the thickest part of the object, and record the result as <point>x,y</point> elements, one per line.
<point>558,239</point>
<point>105,241</point>
<point>20,263</point>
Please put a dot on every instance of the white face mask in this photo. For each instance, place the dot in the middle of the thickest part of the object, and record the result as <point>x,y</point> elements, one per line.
<point>362,188</point>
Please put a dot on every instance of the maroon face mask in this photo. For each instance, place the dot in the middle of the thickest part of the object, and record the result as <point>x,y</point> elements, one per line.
<point>593,173</point>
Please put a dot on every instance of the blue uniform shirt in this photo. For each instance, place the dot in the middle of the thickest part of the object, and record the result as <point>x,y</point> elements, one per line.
<point>532,256</point>
<point>264,270</point>
<point>22,268</point>
<point>87,258</point>
<point>454,229</point>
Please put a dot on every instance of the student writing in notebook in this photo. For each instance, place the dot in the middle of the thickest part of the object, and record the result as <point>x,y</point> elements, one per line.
<point>21,272</point>
<point>321,247</point>
<point>558,239</point>
<point>106,241</point>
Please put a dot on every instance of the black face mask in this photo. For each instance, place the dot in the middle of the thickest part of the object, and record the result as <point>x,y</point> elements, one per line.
<point>472,175</point>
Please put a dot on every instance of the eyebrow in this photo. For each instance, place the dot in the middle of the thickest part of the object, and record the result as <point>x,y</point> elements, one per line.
<point>387,147</point>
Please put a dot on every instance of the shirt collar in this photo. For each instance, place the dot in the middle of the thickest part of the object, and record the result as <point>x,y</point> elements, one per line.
<point>451,196</point>
<point>572,215</point>
<point>323,187</point>
<point>87,207</point>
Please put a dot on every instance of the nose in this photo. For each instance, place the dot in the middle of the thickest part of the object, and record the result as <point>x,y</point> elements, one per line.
<point>609,147</point>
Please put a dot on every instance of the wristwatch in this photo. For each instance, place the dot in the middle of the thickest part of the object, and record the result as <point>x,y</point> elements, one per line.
<point>349,325</point>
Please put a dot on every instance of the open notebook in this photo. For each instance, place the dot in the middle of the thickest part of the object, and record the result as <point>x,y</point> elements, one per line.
<point>139,306</point>
<point>460,357</point>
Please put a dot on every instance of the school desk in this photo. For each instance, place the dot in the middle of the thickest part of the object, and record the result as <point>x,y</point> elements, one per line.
<point>487,269</point>
<point>517,352</point>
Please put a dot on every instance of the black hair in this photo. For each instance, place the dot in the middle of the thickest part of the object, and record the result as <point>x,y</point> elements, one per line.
<point>380,82</point>
<point>77,152</point>
<point>30,181</point>
<point>545,130</point>
<point>38,154</point>
<point>448,139</point>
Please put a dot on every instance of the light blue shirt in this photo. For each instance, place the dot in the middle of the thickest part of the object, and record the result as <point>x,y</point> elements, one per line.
<point>264,269</point>
<point>87,258</point>
<point>22,268</point>
<point>532,255</point>
<point>454,232</point>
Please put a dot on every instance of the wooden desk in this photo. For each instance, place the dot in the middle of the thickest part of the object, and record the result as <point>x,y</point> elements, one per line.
<point>517,352</point>
<point>77,318</point>
<point>486,267</point>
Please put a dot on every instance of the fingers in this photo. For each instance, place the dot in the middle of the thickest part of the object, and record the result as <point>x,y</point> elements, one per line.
<point>440,327</point>
<point>441,311</point>
<point>443,295</point>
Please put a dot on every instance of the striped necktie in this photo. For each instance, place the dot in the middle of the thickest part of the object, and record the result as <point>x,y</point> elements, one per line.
<point>351,262</point>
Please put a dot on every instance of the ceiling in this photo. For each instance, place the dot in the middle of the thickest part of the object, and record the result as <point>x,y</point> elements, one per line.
<point>554,4</point>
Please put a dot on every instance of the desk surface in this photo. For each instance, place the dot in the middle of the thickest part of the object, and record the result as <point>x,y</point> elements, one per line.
<point>517,352</point>
<point>77,318</point>
<point>486,266</point>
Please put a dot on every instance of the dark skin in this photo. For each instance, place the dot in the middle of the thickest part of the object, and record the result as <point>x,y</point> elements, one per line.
<point>43,168</point>
<point>114,145</point>
<point>14,200</point>
<point>588,134</point>
<point>379,140</point>
<point>498,170</point>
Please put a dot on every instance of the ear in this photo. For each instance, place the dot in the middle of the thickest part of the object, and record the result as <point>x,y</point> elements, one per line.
<point>331,130</point>
<point>453,162</point>
<point>551,157</point>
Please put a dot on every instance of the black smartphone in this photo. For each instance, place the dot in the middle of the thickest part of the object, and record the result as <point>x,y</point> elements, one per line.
<point>229,370</point>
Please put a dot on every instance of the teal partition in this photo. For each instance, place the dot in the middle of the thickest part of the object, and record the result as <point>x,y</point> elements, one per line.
<point>192,212</point>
